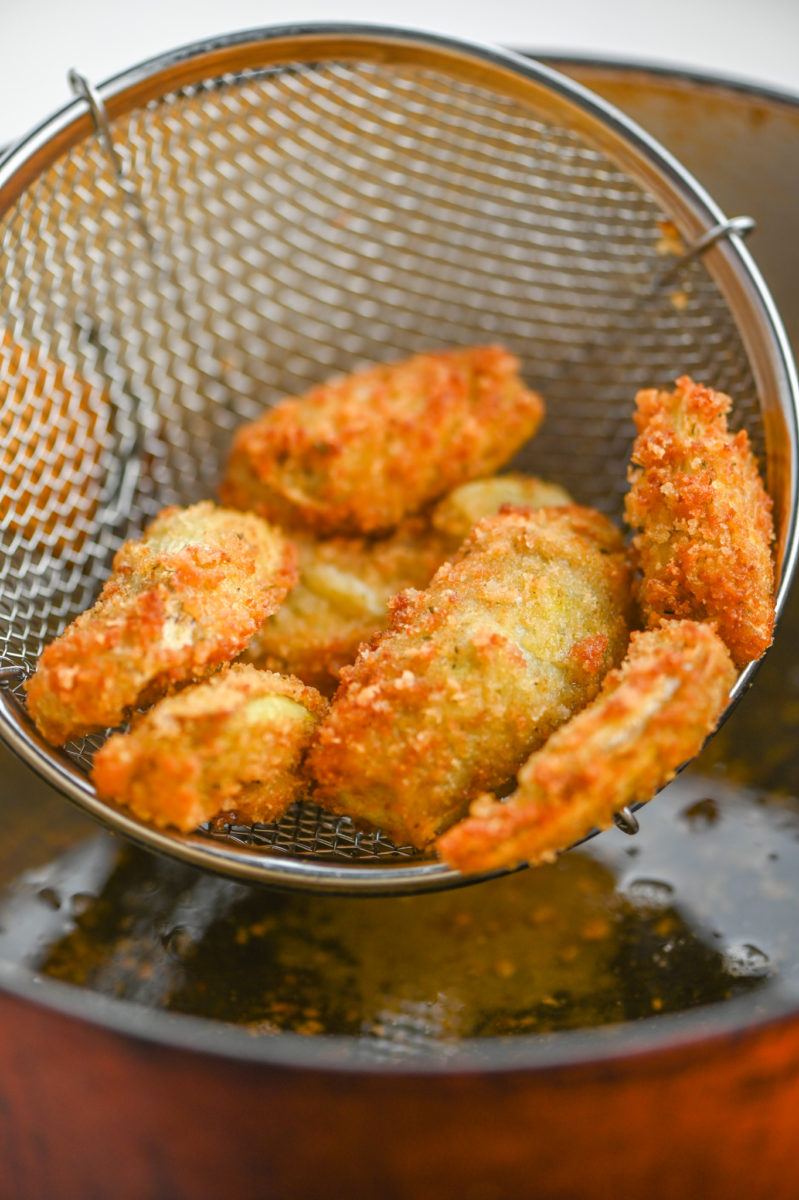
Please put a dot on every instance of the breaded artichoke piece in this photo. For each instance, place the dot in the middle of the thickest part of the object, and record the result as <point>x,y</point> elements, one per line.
<point>702,519</point>
<point>358,454</point>
<point>457,514</point>
<point>475,672</point>
<point>341,600</point>
<point>650,717</point>
<point>181,601</point>
<point>346,583</point>
<point>232,744</point>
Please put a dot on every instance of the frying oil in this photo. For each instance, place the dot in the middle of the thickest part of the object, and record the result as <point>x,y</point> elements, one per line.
<point>697,908</point>
<point>690,912</point>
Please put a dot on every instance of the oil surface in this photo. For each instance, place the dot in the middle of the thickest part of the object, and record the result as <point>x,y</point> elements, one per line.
<point>695,909</point>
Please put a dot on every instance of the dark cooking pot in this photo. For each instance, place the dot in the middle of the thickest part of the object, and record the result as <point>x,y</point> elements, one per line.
<point>105,1096</point>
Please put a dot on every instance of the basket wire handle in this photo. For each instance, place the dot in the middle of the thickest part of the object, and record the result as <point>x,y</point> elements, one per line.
<point>650,293</point>
<point>85,90</point>
<point>740,226</point>
<point>12,674</point>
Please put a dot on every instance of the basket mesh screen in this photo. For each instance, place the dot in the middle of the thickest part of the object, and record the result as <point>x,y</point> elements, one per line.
<point>280,226</point>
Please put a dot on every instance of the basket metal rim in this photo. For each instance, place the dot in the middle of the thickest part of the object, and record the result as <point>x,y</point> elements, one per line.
<point>670,182</point>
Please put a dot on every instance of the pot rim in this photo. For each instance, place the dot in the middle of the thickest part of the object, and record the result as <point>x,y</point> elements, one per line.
<point>626,1041</point>
<point>665,70</point>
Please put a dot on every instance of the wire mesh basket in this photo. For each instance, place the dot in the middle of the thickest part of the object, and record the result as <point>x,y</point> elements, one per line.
<point>245,217</point>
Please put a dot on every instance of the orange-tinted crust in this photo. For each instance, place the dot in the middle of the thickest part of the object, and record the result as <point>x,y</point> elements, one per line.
<point>475,671</point>
<point>205,751</point>
<point>651,716</point>
<point>358,454</point>
<point>345,584</point>
<point>182,600</point>
<point>341,600</point>
<point>702,519</point>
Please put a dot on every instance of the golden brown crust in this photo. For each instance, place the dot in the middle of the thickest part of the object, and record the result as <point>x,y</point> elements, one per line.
<point>651,716</point>
<point>341,600</point>
<point>474,672</point>
<point>702,519</point>
<point>230,745</point>
<point>358,454</point>
<point>181,600</point>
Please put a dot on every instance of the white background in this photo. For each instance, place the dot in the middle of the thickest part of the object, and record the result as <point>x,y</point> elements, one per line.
<point>40,40</point>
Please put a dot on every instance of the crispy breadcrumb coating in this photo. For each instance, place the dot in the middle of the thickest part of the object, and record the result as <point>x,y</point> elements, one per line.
<point>702,519</point>
<point>359,453</point>
<point>183,599</point>
<point>475,672</point>
<point>342,598</point>
<point>345,584</point>
<point>651,716</point>
<point>230,745</point>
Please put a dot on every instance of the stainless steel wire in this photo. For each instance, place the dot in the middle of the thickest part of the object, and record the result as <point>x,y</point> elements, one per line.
<point>300,202</point>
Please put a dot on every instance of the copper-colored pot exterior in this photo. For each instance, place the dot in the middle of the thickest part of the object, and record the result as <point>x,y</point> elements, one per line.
<point>88,1113</point>
<point>92,1111</point>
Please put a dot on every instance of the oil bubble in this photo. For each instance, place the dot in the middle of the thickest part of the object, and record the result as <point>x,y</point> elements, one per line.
<point>178,941</point>
<point>652,893</point>
<point>746,961</point>
<point>50,897</point>
<point>81,902</point>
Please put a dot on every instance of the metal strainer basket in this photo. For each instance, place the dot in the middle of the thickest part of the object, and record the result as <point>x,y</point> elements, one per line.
<point>245,217</point>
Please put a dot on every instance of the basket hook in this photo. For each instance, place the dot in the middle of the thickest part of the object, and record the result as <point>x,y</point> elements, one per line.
<point>626,821</point>
<point>85,90</point>
<point>731,225</point>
